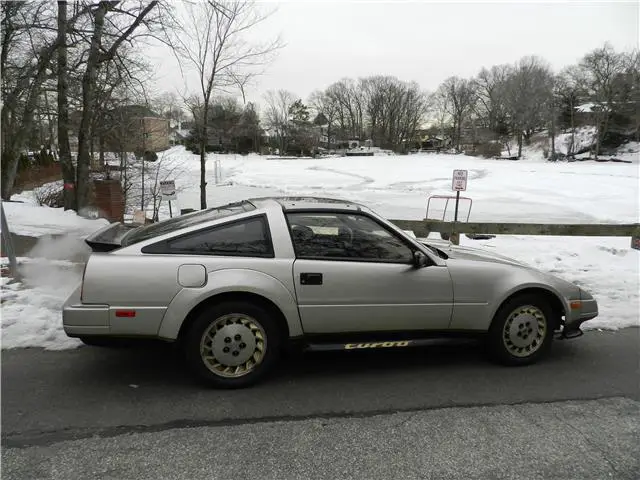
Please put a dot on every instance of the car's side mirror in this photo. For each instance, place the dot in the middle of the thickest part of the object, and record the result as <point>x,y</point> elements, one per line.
<point>420,259</point>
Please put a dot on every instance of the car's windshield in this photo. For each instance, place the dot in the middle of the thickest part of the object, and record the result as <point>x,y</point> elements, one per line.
<point>166,226</point>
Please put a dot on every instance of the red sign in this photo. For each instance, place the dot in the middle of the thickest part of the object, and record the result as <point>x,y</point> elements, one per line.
<point>69,186</point>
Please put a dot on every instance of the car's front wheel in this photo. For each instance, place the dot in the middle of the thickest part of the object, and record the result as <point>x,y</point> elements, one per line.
<point>522,330</point>
<point>232,344</point>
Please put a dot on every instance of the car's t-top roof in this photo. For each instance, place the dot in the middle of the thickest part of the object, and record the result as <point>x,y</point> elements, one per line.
<point>303,203</point>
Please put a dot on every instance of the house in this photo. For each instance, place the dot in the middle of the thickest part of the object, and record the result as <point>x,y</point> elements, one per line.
<point>436,143</point>
<point>178,136</point>
<point>136,128</point>
<point>129,128</point>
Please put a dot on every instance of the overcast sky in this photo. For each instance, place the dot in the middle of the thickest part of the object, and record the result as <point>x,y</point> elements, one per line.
<point>422,41</point>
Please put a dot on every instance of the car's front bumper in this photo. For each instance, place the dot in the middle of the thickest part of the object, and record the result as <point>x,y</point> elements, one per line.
<point>581,311</point>
<point>80,319</point>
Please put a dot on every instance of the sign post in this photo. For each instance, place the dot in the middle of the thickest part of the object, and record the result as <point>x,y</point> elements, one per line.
<point>168,191</point>
<point>458,184</point>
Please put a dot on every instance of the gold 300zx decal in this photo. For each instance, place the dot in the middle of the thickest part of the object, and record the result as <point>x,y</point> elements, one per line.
<point>351,346</point>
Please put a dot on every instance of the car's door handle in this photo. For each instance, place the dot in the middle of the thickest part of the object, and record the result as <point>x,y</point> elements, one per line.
<point>311,278</point>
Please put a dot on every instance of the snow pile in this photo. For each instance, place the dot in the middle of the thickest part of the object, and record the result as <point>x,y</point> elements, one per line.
<point>32,308</point>
<point>26,217</point>
<point>583,138</point>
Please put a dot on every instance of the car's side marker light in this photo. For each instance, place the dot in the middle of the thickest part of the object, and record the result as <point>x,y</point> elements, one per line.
<point>125,313</point>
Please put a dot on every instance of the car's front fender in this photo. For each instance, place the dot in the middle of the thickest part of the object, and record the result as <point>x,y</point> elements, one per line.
<point>529,286</point>
<point>227,281</point>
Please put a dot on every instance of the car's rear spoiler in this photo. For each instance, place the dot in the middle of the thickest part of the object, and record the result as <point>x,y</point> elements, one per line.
<point>108,238</point>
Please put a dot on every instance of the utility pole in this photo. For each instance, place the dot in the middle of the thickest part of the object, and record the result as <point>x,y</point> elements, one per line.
<point>144,148</point>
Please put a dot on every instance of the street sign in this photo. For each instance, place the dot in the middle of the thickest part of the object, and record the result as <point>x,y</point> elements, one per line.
<point>168,189</point>
<point>459,181</point>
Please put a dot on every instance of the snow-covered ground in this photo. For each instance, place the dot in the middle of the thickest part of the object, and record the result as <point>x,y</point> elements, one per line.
<point>530,190</point>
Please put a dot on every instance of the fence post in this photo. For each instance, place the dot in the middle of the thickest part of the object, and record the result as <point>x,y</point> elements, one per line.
<point>7,243</point>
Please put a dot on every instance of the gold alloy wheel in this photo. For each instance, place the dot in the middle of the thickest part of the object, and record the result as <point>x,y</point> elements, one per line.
<point>233,345</point>
<point>524,331</point>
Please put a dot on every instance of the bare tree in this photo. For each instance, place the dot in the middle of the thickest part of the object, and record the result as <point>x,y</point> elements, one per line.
<point>29,45</point>
<point>601,69</point>
<point>170,106</point>
<point>99,54</point>
<point>349,98</point>
<point>64,148</point>
<point>213,42</point>
<point>528,93</point>
<point>459,97</point>
<point>323,104</point>
<point>490,87</point>
<point>568,92</point>
<point>276,115</point>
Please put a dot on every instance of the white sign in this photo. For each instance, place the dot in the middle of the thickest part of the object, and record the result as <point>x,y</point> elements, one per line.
<point>168,189</point>
<point>459,182</point>
<point>138,217</point>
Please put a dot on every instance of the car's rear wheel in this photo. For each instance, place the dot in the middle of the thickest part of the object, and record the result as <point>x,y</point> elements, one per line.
<point>522,330</point>
<point>232,344</point>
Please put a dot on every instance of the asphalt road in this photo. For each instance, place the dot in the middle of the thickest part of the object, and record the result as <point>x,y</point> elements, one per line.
<point>96,400</point>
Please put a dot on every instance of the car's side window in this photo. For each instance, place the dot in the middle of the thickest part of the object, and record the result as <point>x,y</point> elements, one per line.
<point>248,238</point>
<point>345,236</point>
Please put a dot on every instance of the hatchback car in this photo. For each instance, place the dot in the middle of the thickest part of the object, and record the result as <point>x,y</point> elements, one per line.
<point>235,284</point>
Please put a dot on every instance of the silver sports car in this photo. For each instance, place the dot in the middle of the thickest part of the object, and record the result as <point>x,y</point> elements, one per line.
<point>235,284</point>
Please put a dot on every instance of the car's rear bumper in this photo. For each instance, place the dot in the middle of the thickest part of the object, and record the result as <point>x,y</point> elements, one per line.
<point>80,319</point>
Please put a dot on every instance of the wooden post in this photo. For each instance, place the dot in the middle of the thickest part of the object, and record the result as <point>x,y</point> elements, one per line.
<point>7,244</point>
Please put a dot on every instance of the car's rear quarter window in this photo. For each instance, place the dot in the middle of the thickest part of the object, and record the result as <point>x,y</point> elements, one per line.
<point>247,237</point>
<point>176,223</point>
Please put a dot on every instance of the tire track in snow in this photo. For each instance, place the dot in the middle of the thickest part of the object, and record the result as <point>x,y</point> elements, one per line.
<point>364,179</point>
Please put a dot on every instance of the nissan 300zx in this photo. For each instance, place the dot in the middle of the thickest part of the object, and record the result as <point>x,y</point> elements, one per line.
<point>235,284</point>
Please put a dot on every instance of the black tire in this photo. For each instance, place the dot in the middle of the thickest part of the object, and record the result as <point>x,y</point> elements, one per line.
<point>260,318</point>
<point>503,350</point>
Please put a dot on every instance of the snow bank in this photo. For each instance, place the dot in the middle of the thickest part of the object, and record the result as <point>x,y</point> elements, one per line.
<point>26,217</point>
<point>584,137</point>
<point>31,309</point>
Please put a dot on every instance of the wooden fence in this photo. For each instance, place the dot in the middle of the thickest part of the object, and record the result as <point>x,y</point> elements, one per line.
<point>422,228</point>
<point>37,176</point>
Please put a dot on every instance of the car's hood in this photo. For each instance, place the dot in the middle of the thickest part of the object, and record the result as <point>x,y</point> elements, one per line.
<point>468,253</point>
<point>456,252</point>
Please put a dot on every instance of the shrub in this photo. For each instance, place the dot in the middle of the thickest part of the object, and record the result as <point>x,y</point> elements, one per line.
<point>50,195</point>
<point>488,150</point>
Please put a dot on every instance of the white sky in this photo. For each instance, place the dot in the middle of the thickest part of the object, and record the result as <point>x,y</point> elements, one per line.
<point>422,41</point>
